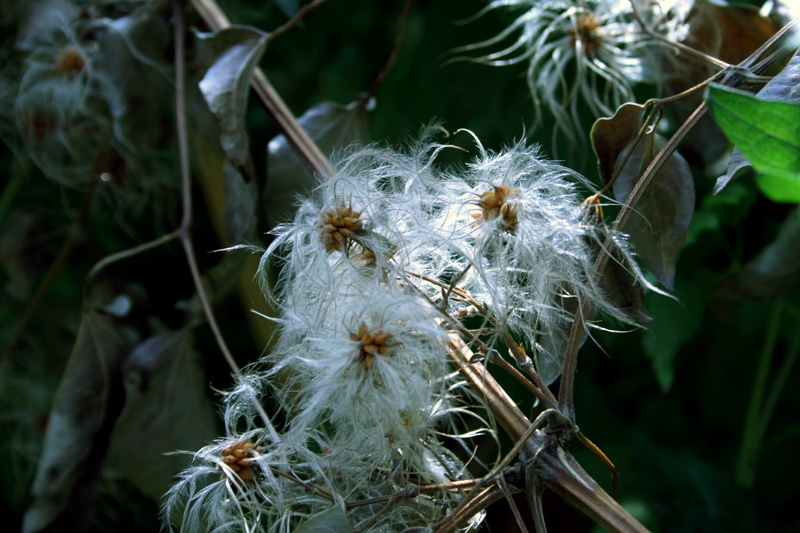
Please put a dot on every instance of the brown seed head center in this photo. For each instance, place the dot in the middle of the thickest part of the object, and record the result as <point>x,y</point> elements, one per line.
<point>586,30</point>
<point>373,343</point>
<point>70,63</point>
<point>496,203</point>
<point>239,457</point>
<point>338,225</point>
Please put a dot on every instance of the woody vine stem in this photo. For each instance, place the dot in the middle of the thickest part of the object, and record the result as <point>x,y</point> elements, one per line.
<point>540,457</point>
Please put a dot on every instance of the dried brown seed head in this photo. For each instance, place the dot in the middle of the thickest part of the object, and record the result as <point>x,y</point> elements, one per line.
<point>338,226</point>
<point>239,457</point>
<point>587,30</point>
<point>373,343</point>
<point>70,62</point>
<point>497,203</point>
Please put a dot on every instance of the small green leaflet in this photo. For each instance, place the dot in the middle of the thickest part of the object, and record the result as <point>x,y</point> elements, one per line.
<point>767,132</point>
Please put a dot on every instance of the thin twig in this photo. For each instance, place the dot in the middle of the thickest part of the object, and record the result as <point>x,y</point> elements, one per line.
<point>520,443</point>
<point>127,254</point>
<point>451,485</point>
<point>393,500</point>
<point>566,389</point>
<point>310,488</point>
<point>488,496</point>
<point>526,365</point>
<point>535,499</point>
<point>501,482</point>
<point>398,39</point>
<point>184,232</point>
<point>603,457</point>
<point>301,13</point>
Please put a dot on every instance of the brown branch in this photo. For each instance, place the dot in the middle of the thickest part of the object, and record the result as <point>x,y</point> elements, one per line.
<point>300,15</point>
<point>559,471</point>
<point>305,147</point>
<point>606,461</point>
<point>499,402</point>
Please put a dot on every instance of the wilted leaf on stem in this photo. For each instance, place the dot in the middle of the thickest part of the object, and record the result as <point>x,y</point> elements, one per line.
<point>727,31</point>
<point>233,53</point>
<point>738,165</point>
<point>623,290</point>
<point>241,197</point>
<point>166,410</point>
<point>131,67</point>
<point>658,225</point>
<point>611,135</point>
<point>87,404</point>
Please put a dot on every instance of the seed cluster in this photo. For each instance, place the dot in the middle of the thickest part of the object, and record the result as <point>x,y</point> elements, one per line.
<point>495,203</point>
<point>239,458</point>
<point>339,224</point>
<point>587,29</point>
<point>375,342</point>
<point>70,63</point>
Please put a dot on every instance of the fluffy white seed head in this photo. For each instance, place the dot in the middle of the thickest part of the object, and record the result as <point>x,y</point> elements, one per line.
<point>578,50</point>
<point>375,271</point>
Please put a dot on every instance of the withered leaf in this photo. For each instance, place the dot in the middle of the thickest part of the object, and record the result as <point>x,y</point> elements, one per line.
<point>611,135</point>
<point>87,404</point>
<point>658,225</point>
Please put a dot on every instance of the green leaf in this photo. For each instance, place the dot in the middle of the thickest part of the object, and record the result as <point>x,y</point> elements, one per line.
<point>87,404</point>
<point>166,410</point>
<point>658,226</point>
<point>774,272</point>
<point>332,127</point>
<point>674,325</point>
<point>780,188</point>
<point>333,520</point>
<point>719,212</point>
<point>785,86</point>
<point>767,132</point>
